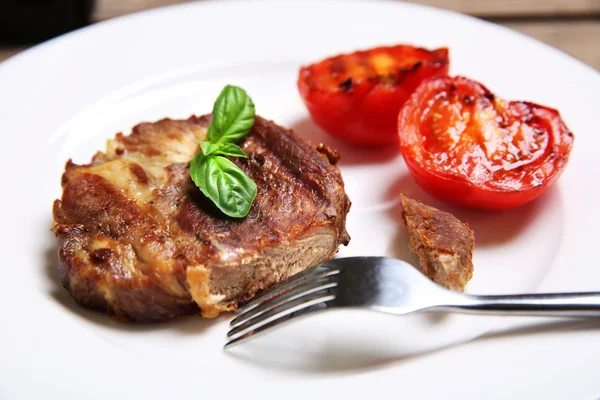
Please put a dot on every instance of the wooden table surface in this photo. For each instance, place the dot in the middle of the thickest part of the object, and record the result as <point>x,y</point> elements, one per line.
<point>569,25</point>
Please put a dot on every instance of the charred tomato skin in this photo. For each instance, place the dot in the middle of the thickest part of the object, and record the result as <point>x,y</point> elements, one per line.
<point>468,147</point>
<point>356,97</point>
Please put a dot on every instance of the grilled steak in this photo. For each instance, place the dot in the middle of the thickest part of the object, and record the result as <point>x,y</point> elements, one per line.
<point>444,244</point>
<point>139,241</point>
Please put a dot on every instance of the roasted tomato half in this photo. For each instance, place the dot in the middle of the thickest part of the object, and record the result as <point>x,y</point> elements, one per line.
<point>466,146</point>
<point>356,97</point>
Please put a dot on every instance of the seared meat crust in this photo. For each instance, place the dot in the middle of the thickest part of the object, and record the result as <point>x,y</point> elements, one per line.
<point>139,241</point>
<point>444,244</point>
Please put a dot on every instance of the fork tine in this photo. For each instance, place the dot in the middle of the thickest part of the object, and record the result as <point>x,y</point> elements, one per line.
<point>295,293</point>
<point>316,303</point>
<point>273,312</point>
<point>287,285</point>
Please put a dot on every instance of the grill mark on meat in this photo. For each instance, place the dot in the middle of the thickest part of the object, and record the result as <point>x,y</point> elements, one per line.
<point>290,148</point>
<point>139,241</point>
<point>139,173</point>
<point>92,201</point>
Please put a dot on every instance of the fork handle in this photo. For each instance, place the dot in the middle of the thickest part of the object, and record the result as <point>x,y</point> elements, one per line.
<point>576,305</point>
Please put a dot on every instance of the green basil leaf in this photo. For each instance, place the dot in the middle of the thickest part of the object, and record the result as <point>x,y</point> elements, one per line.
<point>232,116</point>
<point>224,183</point>
<point>222,149</point>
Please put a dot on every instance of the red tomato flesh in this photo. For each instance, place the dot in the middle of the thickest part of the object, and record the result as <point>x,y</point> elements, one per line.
<point>356,97</point>
<point>466,146</point>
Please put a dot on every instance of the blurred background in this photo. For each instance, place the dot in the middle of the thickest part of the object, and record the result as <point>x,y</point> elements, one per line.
<point>570,25</point>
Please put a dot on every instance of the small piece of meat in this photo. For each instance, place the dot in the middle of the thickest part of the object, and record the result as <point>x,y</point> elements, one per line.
<point>444,244</point>
<point>139,241</point>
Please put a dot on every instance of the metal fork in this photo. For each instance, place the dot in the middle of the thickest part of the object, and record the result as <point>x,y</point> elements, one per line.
<point>390,286</point>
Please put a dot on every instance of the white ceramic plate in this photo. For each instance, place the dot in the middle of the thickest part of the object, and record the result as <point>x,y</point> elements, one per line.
<point>65,98</point>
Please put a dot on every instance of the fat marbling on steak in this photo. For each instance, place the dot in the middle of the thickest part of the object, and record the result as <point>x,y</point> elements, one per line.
<point>139,241</point>
<point>443,242</point>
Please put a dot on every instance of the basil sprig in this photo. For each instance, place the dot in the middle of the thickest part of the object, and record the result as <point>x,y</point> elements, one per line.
<point>223,182</point>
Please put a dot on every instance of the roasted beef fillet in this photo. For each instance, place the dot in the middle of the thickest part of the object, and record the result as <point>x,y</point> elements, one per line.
<point>139,241</point>
<point>444,244</point>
